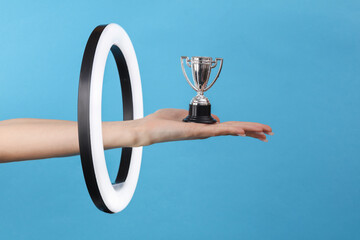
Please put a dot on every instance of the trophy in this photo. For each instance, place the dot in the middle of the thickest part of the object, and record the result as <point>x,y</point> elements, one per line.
<point>200,107</point>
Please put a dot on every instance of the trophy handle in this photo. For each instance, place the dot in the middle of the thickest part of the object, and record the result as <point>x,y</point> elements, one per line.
<point>217,75</point>
<point>184,72</point>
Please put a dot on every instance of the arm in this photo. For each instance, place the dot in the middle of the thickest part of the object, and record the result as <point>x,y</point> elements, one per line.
<point>29,138</point>
<point>26,138</point>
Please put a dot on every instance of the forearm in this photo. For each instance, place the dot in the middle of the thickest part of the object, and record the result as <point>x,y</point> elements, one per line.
<point>28,138</point>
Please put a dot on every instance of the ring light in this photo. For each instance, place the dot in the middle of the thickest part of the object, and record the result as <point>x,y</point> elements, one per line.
<point>108,197</point>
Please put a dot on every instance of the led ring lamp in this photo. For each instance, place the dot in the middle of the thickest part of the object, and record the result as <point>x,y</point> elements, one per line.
<point>108,197</point>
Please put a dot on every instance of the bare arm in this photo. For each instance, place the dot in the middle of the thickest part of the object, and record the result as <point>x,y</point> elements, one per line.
<point>28,138</point>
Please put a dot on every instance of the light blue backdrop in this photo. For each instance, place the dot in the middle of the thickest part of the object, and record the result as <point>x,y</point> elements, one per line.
<point>291,64</point>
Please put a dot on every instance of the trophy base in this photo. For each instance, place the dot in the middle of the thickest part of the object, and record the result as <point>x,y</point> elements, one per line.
<point>200,114</point>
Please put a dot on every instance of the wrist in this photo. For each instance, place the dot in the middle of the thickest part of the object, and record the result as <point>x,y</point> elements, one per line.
<point>118,134</point>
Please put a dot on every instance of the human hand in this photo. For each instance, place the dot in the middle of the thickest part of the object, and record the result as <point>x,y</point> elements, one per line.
<point>166,125</point>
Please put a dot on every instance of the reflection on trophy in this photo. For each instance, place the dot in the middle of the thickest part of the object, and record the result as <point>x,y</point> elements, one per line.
<point>200,107</point>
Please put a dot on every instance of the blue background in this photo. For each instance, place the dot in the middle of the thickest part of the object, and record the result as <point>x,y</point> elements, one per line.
<point>291,64</point>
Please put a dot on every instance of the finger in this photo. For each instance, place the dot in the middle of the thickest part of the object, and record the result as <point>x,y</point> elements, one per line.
<point>252,125</point>
<point>216,117</point>
<point>269,133</point>
<point>217,130</point>
<point>245,126</point>
<point>229,130</point>
<point>259,135</point>
<point>266,128</point>
<point>257,128</point>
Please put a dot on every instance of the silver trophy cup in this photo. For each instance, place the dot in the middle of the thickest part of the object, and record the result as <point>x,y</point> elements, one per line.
<point>200,107</point>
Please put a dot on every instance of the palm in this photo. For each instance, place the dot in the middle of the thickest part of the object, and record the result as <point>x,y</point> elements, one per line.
<point>167,125</point>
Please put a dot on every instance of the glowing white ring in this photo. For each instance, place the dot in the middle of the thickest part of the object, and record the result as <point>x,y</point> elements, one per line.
<point>116,196</point>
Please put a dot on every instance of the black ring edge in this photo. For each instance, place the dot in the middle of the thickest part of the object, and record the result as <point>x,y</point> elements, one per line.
<point>84,111</point>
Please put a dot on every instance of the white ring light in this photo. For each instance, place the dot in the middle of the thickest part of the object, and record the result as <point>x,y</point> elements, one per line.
<point>108,197</point>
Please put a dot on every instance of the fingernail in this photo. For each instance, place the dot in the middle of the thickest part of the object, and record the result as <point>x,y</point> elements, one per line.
<point>242,134</point>
<point>264,140</point>
<point>271,133</point>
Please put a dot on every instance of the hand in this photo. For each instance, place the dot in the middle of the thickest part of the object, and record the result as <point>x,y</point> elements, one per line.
<point>166,125</point>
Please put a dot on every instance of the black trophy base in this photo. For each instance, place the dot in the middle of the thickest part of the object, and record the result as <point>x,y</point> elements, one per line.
<point>200,114</point>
